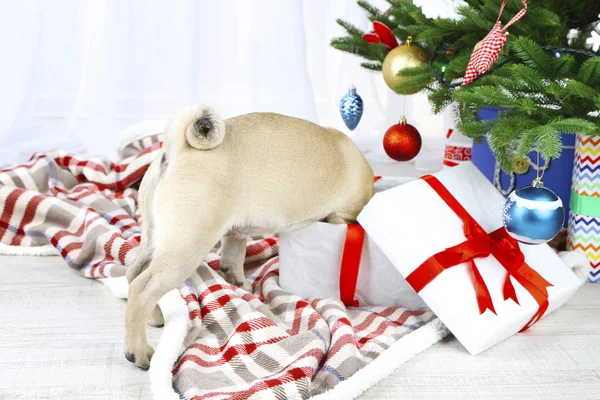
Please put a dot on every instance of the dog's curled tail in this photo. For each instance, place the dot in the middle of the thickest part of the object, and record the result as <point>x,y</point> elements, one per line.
<point>200,127</point>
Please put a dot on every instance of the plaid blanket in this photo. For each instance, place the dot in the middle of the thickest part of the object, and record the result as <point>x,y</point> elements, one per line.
<point>267,344</point>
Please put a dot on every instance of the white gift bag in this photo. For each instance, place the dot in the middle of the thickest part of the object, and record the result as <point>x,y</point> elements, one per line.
<point>411,223</point>
<point>310,266</point>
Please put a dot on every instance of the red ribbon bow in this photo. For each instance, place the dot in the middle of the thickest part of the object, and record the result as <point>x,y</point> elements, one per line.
<point>481,244</point>
<point>381,34</point>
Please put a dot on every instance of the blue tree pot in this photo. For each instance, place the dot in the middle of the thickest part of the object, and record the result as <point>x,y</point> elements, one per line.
<point>557,177</point>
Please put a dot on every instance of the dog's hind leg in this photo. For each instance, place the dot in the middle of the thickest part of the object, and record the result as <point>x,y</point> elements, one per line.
<point>144,256</point>
<point>145,250</point>
<point>134,270</point>
<point>233,250</point>
<point>175,258</point>
<point>336,218</point>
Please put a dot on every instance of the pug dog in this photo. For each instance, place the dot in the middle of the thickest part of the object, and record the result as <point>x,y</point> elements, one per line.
<point>215,179</point>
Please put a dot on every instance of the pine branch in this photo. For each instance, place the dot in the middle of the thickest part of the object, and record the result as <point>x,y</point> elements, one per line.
<point>527,141</point>
<point>573,125</point>
<point>549,142</point>
<point>433,34</point>
<point>533,55</point>
<point>411,71</point>
<point>351,29</point>
<point>563,65</point>
<point>372,66</point>
<point>589,73</point>
<point>346,44</point>
<point>532,78</point>
<point>484,96</point>
<point>476,128</point>
<point>440,98</point>
<point>500,146</point>
<point>544,17</point>
<point>414,83</point>
<point>472,19</point>
<point>580,90</point>
<point>373,12</point>
<point>526,105</point>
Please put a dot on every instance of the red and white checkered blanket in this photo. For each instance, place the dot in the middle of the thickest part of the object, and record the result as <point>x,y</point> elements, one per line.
<point>270,344</point>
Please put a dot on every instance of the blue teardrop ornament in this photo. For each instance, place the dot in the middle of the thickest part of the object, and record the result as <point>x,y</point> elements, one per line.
<point>351,108</point>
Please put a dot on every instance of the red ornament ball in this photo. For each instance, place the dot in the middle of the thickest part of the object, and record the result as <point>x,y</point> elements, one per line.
<point>402,141</point>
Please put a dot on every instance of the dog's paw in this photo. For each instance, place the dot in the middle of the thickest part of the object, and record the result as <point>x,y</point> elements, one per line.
<point>141,358</point>
<point>244,285</point>
<point>222,275</point>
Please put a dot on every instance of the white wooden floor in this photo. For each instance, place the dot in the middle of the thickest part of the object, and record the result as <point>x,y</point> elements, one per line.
<point>61,338</point>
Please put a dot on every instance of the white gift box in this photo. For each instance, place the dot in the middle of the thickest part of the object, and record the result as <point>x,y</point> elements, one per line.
<point>411,223</point>
<point>310,265</point>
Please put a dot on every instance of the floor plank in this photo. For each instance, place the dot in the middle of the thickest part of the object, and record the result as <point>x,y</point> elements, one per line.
<point>61,335</point>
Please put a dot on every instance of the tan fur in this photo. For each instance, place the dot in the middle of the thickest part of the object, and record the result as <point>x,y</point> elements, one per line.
<point>265,173</point>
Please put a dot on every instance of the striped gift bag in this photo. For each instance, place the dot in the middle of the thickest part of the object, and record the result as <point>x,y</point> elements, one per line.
<point>458,148</point>
<point>584,217</point>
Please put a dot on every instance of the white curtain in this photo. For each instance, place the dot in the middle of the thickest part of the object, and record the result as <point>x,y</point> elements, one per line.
<point>74,73</point>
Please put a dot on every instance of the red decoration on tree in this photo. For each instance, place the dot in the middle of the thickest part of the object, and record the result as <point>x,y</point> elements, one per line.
<point>488,50</point>
<point>402,141</point>
<point>381,34</point>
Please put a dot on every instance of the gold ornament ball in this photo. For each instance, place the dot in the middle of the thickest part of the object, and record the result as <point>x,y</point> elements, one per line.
<point>408,55</point>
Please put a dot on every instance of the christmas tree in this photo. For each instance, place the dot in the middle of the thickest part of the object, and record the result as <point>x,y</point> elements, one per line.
<point>545,81</point>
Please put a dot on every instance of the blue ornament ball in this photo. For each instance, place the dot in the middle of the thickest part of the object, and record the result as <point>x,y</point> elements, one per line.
<point>351,108</point>
<point>533,214</point>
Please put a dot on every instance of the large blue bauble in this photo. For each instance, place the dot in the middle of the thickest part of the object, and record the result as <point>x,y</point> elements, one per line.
<point>533,215</point>
<point>351,108</point>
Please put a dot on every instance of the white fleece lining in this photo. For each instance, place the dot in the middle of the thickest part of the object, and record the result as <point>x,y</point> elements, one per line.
<point>169,347</point>
<point>391,359</point>
<point>45,250</point>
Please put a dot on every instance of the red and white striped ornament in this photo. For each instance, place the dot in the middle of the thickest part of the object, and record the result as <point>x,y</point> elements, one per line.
<point>458,149</point>
<point>488,50</point>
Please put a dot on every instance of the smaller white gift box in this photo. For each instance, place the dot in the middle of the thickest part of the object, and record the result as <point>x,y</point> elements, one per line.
<point>444,234</point>
<point>311,261</point>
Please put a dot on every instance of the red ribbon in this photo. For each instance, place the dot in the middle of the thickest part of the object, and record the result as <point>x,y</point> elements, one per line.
<point>355,237</point>
<point>480,244</point>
